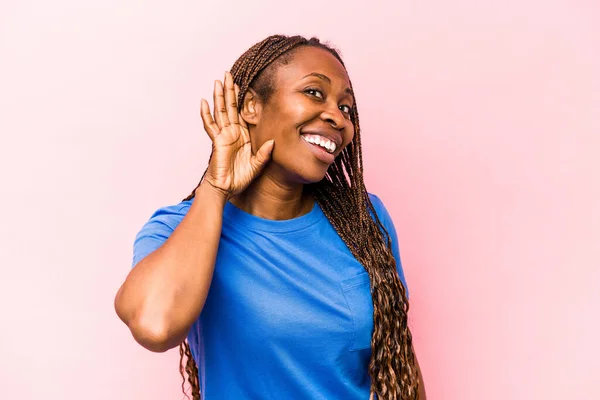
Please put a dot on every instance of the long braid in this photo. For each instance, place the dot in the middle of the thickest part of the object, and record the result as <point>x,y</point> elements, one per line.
<point>190,369</point>
<point>343,197</point>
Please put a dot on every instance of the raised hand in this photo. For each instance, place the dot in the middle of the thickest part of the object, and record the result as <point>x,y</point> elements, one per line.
<point>232,165</point>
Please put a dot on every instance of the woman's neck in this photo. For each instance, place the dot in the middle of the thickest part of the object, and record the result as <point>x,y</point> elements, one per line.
<point>266,197</point>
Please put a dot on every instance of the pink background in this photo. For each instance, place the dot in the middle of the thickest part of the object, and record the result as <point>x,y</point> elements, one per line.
<point>481,126</point>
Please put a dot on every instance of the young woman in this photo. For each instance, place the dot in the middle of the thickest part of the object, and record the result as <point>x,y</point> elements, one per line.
<point>279,276</point>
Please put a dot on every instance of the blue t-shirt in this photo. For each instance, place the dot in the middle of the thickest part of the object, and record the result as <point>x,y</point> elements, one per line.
<point>289,313</point>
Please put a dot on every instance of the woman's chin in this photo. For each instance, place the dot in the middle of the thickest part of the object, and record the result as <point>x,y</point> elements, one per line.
<point>301,174</point>
<point>313,176</point>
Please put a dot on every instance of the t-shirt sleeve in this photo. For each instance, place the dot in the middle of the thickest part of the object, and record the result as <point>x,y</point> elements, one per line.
<point>387,222</point>
<point>157,230</point>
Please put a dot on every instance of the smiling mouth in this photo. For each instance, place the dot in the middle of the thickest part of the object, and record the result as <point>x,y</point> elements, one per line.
<point>320,141</point>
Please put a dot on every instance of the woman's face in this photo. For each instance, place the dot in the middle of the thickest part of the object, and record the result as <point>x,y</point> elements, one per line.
<point>308,115</point>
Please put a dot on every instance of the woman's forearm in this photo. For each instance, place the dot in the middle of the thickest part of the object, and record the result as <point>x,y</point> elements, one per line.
<point>164,293</point>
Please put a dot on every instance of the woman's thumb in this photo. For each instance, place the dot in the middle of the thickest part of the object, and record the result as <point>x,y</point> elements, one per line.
<point>263,154</point>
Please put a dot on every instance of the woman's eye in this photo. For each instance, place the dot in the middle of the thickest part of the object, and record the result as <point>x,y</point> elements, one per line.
<point>346,109</point>
<point>314,92</point>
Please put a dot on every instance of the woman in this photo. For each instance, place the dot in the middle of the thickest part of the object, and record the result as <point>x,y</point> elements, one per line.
<point>279,269</point>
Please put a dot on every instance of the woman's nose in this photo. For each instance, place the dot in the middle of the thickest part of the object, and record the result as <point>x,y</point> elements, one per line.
<point>333,116</point>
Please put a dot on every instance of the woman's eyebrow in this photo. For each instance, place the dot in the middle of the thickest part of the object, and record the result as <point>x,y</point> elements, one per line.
<point>320,76</point>
<point>326,79</point>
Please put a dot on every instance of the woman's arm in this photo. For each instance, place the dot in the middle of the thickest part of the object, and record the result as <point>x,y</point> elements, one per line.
<point>164,293</point>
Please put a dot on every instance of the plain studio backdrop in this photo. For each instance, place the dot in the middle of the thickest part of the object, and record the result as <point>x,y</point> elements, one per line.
<point>481,125</point>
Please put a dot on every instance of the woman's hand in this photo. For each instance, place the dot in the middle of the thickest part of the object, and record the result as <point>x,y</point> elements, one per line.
<point>232,166</point>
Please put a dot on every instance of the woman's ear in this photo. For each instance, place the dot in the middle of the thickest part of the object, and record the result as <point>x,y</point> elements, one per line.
<point>251,110</point>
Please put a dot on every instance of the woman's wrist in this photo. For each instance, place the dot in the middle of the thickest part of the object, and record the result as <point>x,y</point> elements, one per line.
<point>208,189</point>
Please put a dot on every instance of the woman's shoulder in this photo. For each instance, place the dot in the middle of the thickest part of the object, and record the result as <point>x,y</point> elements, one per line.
<point>158,228</point>
<point>165,219</point>
<point>375,200</point>
<point>172,213</point>
<point>378,205</point>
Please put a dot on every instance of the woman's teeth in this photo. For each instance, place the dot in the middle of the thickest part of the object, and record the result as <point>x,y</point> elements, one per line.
<point>321,141</point>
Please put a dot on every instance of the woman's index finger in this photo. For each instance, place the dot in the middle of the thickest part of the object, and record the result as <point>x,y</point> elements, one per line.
<point>237,96</point>
<point>231,99</point>
<point>220,111</point>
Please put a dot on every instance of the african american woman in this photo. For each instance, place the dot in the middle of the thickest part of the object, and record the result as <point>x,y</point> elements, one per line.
<point>279,276</point>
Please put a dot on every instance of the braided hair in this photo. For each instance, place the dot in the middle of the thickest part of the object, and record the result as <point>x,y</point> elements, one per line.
<point>343,197</point>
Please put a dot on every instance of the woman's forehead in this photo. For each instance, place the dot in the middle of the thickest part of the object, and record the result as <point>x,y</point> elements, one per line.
<point>313,60</point>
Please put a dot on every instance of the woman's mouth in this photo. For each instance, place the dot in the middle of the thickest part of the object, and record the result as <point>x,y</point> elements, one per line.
<point>321,147</point>
<point>321,141</point>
